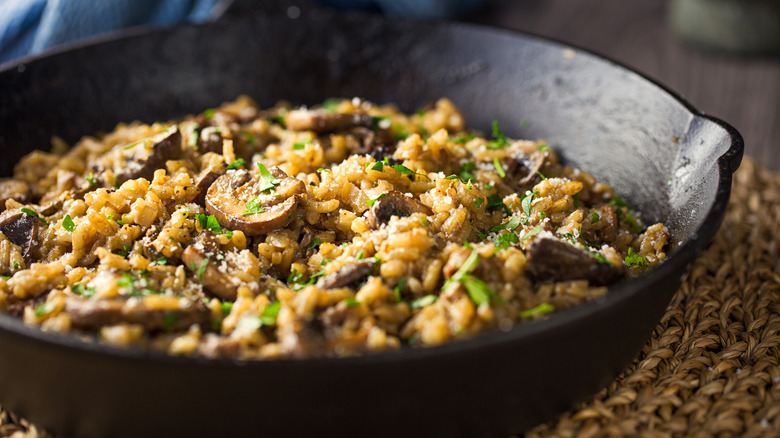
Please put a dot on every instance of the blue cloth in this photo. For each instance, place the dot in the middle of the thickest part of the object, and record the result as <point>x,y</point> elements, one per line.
<point>31,26</point>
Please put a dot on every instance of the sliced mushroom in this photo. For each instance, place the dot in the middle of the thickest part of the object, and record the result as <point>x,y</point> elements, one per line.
<point>228,196</point>
<point>200,257</point>
<point>376,143</point>
<point>12,189</point>
<point>143,158</point>
<point>92,314</point>
<point>205,180</point>
<point>21,229</point>
<point>551,259</point>
<point>321,121</point>
<point>524,167</point>
<point>394,204</point>
<point>346,275</point>
<point>210,140</point>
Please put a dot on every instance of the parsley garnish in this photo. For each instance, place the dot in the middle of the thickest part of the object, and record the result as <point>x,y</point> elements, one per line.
<point>541,175</point>
<point>33,213</point>
<point>400,168</point>
<point>631,220</point>
<point>298,145</point>
<point>477,289</point>
<point>314,243</point>
<point>352,302</point>
<point>617,201</point>
<point>268,317</point>
<point>466,170</point>
<point>499,168</point>
<point>330,104</point>
<point>543,147</point>
<point>43,309</point>
<point>511,224</point>
<point>541,309</point>
<point>250,138</point>
<point>162,260</point>
<point>209,113</point>
<point>226,307</point>
<point>267,181</point>
<point>371,201</point>
<point>14,265</point>
<point>462,138</point>
<point>378,166</point>
<point>500,139</point>
<point>202,269</point>
<point>68,224</point>
<point>91,179</point>
<point>495,201</point>
<point>295,277</point>
<point>169,320</point>
<point>531,233</point>
<point>322,169</point>
<point>595,218</point>
<point>505,240</point>
<point>209,223</point>
<point>236,164</point>
<point>253,207</point>
<point>478,202</point>
<point>525,204</point>
<point>576,198</point>
<point>399,288</point>
<point>634,259</point>
<point>360,255</point>
<point>423,301</point>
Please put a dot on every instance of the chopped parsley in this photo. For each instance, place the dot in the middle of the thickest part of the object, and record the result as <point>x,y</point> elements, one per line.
<point>495,201</point>
<point>162,260</point>
<point>91,179</point>
<point>236,164</point>
<point>298,145</point>
<point>399,288</point>
<point>499,168</point>
<point>525,204</point>
<point>462,138</point>
<point>634,259</point>
<point>330,104</point>
<point>169,320</point>
<point>267,181</point>
<point>202,269</point>
<point>322,169</point>
<point>541,175</point>
<point>68,224</point>
<point>43,309</point>
<point>400,168</point>
<point>352,302</point>
<point>194,135</point>
<point>544,147</point>
<point>209,113</point>
<point>371,201</point>
<point>595,218</point>
<point>226,307</point>
<point>505,240</point>
<point>378,166</point>
<point>466,170</point>
<point>295,277</point>
<point>617,201</point>
<point>532,233</point>
<point>209,223</point>
<point>360,255</point>
<point>14,265</point>
<point>511,224</point>
<point>423,301</point>
<point>478,290</point>
<point>33,213</point>
<point>253,207</point>
<point>271,311</point>
<point>631,220</point>
<point>499,139</point>
<point>250,138</point>
<point>541,309</point>
<point>314,243</point>
<point>600,257</point>
<point>478,202</point>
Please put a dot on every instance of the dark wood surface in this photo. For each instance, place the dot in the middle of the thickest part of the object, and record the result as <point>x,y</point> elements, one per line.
<point>743,91</point>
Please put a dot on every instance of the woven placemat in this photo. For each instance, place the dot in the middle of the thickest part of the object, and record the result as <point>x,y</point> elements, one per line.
<point>712,365</point>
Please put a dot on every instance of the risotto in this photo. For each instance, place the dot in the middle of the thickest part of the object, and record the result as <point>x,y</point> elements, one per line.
<point>339,229</point>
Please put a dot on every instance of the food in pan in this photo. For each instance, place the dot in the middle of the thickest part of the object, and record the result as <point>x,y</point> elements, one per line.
<point>339,229</point>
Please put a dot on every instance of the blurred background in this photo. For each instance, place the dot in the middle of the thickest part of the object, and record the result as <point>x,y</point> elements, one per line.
<point>723,56</point>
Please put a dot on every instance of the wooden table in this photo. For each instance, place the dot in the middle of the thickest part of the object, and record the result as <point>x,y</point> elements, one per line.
<point>743,91</point>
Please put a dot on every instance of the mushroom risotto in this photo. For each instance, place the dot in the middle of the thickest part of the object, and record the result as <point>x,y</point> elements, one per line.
<point>333,230</point>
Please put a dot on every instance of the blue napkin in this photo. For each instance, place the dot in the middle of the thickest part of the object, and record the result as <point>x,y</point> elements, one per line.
<point>31,26</point>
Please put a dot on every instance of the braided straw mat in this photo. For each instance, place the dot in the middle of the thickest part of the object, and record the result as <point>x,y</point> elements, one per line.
<point>712,365</point>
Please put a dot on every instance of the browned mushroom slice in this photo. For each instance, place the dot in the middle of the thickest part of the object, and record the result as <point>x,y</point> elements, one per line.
<point>143,158</point>
<point>394,204</point>
<point>244,206</point>
<point>21,229</point>
<point>525,167</point>
<point>12,189</point>
<point>322,121</point>
<point>210,140</point>
<point>346,275</point>
<point>92,314</point>
<point>201,258</point>
<point>205,180</point>
<point>376,143</point>
<point>551,259</point>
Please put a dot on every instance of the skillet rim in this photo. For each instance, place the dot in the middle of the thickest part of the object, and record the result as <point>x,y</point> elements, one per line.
<point>685,254</point>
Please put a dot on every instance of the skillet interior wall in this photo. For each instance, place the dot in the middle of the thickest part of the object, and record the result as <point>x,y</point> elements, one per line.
<point>604,120</point>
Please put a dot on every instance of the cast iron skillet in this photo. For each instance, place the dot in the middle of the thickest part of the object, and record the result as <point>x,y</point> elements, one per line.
<point>666,158</point>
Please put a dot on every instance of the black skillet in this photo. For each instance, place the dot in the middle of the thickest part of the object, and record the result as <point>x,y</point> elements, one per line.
<point>666,158</point>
